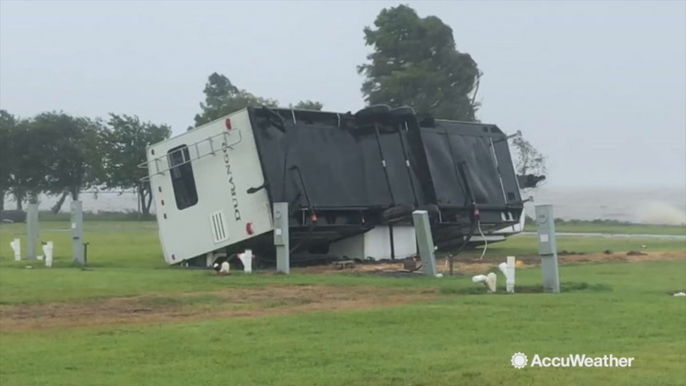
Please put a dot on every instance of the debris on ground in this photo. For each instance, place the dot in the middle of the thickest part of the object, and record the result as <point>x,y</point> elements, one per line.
<point>410,265</point>
<point>349,264</point>
<point>568,253</point>
<point>635,253</point>
<point>469,265</point>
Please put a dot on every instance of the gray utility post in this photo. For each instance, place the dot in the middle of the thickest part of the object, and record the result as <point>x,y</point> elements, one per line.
<point>32,231</point>
<point>547,248</point>
<point>283,260</point>
<point>77,231</point>
<point>425,241</point>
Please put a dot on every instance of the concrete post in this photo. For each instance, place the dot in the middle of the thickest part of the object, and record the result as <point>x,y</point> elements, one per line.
<point>281,237</point>
<point>32,231</point>
<point>547,248</point>
<point>77,232</point>
<point>510,277</point>
<point>425,241</point>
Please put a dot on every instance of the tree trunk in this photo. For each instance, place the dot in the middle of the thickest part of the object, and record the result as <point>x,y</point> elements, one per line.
<point>146,201</point>
<point>58,206</point>
<point>19,198</point>
<point>149,202</point>
<point>2,199</point>
<point>140,201</point>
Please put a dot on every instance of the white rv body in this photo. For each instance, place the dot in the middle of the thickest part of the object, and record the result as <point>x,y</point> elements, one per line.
<point>224,162</point>
<point>376,244</point>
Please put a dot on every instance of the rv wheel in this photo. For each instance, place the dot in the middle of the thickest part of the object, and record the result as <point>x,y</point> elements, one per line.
<point>403,114</point>
<point>372,114</point>
<point>397,212</point>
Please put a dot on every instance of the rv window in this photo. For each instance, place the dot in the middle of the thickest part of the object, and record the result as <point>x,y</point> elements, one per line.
<point>182,178</point>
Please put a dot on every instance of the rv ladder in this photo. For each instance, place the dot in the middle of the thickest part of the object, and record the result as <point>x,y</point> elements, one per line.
<point>203,148</point>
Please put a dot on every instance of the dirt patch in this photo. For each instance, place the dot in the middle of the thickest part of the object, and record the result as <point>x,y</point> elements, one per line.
<point>276,300</point>
<point>615,257</point>
<point>238,303</point>
<point>474,266</point>
<point>623,257</point>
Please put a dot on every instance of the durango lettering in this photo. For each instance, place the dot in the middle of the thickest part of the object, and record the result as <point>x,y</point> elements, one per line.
<point>229,173</point>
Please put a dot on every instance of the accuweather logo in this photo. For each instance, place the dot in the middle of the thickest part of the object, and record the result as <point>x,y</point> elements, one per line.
<point>520,360</point>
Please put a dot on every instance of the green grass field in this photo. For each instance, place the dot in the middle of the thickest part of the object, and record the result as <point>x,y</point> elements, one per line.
<point>451,334</point>
<point>613,227</point>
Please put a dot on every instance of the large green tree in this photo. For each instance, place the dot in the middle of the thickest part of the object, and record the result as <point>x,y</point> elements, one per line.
<point>223,98</point>
<point>33,160</point>
<point>127,139</point>
<point>75,148</point>
<point>415,63</point>
<point>52,153</point>
<point>7,153</point>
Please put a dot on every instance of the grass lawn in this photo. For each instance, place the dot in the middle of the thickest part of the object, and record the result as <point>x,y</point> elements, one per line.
<point>575,226</point>
<point>451,337</point>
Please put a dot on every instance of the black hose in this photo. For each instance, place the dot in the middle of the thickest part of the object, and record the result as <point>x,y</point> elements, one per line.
<point>383,162</point>
<point>302,184</point>
<point>285,166</point>
<point>409,171</point>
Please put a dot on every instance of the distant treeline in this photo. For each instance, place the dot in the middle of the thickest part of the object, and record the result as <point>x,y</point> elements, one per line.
<point>61,155</point>
<point>19,216</point>
<point>530,223</point>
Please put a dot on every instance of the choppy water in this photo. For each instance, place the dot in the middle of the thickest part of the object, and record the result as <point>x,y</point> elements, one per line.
<point>650,206</point>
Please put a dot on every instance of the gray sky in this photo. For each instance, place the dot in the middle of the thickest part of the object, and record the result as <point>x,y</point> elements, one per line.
<point>599,87</point>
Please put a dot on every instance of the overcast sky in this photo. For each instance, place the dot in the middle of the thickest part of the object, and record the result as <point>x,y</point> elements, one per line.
<point>600,88</point>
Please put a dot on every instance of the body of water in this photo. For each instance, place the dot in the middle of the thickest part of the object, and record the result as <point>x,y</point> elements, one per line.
<point>644,206</point>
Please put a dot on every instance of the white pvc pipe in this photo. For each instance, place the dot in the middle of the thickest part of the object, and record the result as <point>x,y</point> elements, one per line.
<point>16,247</point>
<point>491,281</point>
<point>225,268</point>
<point>47,250</point>
<point>503,268</point>
<point>508,270</point>
<point>246,259</point>
<point>479,279</point>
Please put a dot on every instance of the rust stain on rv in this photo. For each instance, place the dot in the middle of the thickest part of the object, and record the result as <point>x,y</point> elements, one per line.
<point>229,173</point>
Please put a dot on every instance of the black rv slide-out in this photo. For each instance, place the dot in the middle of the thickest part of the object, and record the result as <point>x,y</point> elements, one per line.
<point>345,173</point>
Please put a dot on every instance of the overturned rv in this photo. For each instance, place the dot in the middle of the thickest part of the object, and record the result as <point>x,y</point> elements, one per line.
<point>342,174</point>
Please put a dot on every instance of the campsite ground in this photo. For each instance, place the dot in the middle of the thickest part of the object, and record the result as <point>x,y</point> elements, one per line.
<point>130,319</point>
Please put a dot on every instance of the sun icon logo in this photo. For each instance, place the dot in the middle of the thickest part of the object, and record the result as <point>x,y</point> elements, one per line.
<point>519,360</point>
